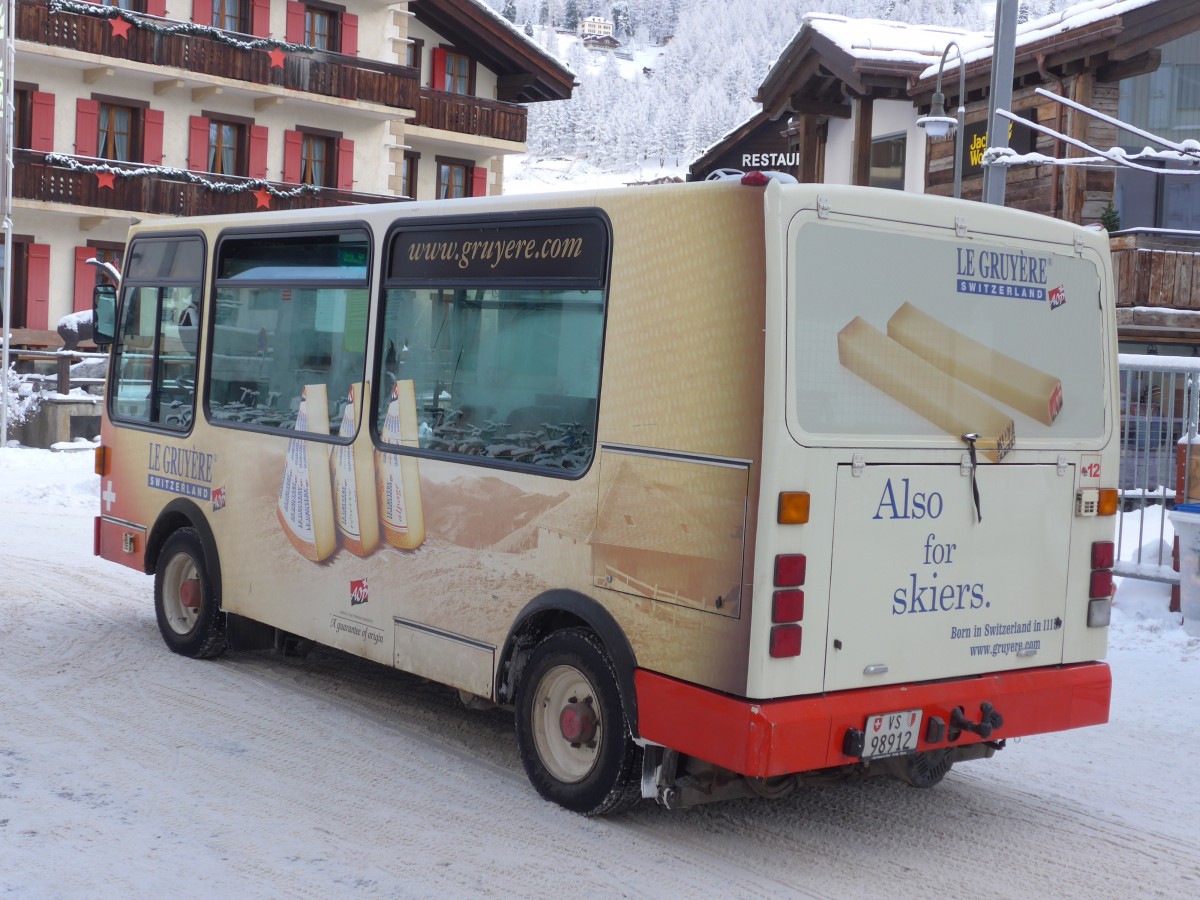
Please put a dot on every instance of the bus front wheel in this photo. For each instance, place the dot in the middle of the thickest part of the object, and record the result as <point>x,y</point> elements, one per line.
<point>184,603</point>
<point>572,732</point>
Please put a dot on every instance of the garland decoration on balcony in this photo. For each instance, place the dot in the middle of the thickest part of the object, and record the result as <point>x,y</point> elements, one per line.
<point>261,188</point>
<point>189,28</point>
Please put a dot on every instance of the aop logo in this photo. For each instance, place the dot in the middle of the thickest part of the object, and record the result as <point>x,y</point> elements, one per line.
<point>1057,297</point>
<point>358,592</point>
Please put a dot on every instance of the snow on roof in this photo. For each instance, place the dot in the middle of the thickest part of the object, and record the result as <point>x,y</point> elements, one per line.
<point>978,45</point>
<point>520,32</point>
<point>883,41</point>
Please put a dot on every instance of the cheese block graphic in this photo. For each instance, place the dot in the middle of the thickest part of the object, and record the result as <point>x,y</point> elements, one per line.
<point>984,368</point>
<point>924,388</point>
<point>305,507</point>
<point>356,513</point>
<point>398,479</point>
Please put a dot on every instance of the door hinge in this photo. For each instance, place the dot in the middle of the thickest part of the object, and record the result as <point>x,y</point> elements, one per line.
<point>857,463</point>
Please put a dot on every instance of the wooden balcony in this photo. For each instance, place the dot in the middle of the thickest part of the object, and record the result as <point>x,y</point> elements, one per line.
<point>471,115</point>
<point>1157,268</point>
<point>317,72</point>
<point>159,194</point>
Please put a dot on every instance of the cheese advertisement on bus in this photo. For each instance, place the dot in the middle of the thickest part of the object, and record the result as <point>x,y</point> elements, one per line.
<point>713,506</point>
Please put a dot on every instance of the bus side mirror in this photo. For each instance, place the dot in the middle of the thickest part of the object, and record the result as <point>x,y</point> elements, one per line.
<point>104,314</point>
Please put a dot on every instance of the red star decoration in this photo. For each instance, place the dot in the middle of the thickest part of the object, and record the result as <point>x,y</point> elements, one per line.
<point>105,179</point>
<point>120,27</point>
<point>277,57</point>
<point>262,199</point>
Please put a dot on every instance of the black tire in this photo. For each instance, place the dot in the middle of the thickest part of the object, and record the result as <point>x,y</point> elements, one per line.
<point>181,578</point>
<point>592,777</point>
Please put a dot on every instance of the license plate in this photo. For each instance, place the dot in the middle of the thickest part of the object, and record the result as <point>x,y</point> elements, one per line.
<point>890,734</point>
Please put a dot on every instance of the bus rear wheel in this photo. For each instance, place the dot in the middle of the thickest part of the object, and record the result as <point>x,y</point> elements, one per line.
<point>184,603</point>
<point>572,732</point>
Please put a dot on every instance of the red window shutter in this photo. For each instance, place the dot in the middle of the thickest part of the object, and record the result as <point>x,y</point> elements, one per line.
<point>37,300</point>
<point>152,137</point>
<point>437,79</point>
<point>156,8</point>
<point>198,143</point>
<point>87,127</point>
<point>293,146</point>
<point>41,122</point>
<point>260,18</point>
<point>258,152</point>
<point>294,31</point>
<point>350,34</point>
<point>479,181</point>
<point>202,12</point>
<point>85,278</point>
<point>345,172</point>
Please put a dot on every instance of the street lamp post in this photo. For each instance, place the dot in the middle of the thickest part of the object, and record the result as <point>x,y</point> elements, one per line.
<point>937,124</point>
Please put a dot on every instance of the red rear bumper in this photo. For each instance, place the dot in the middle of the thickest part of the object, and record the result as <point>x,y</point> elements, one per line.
<point>777,737</point>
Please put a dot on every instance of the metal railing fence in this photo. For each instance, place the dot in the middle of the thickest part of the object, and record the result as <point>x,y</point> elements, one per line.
<point>1160,406</point>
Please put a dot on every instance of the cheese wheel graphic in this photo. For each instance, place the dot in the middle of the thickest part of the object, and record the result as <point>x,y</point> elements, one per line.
<point>305,508</point>
<point>356,513</point>
<point>397,476</point>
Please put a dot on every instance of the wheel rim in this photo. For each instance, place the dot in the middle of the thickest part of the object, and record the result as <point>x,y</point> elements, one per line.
<point>181,583</point>
<point>561,687</point>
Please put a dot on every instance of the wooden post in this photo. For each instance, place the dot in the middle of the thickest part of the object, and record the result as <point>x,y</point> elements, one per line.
<point>862,141</point>
<point>64,373</point>
<point>1075,182</point>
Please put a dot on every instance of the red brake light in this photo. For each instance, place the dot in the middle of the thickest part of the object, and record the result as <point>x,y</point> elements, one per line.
<point>787,606</point>
<point>1104,554</point>
<point>785,641</point>
<point>755,179</point>
<point>789,569</point>
<point>1101,585</point>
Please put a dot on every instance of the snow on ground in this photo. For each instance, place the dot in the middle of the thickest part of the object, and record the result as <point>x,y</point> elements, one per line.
<point>127,771</point>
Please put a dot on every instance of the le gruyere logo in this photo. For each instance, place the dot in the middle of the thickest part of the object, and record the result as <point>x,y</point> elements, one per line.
<point>180,470</point>
<point>995,273</point>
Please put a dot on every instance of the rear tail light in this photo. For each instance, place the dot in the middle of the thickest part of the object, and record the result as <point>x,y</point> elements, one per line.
<point>1101,584</point>
<point>787,606</point>
<point>785,641</point>
<point>789,569</point>
<point>101,460</point>
<point>1104,554</point>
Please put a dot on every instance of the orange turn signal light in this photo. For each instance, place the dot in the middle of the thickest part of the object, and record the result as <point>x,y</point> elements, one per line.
<point>101,461</point>
<point>1109,503</point>
<point>793,507</point>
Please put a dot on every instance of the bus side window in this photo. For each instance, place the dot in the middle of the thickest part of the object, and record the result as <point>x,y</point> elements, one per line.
<point>285,323</point>
<point>510,375</point>
<point>155,353</point>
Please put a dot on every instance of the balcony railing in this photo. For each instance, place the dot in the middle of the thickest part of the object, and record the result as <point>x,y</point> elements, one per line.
<point>159,193</point>
<point>471,115</point>
<point>1157,268</point>
<point>316,72</point>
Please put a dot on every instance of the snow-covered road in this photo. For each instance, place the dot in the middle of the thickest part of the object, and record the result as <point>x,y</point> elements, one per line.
<point>127,771</point>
